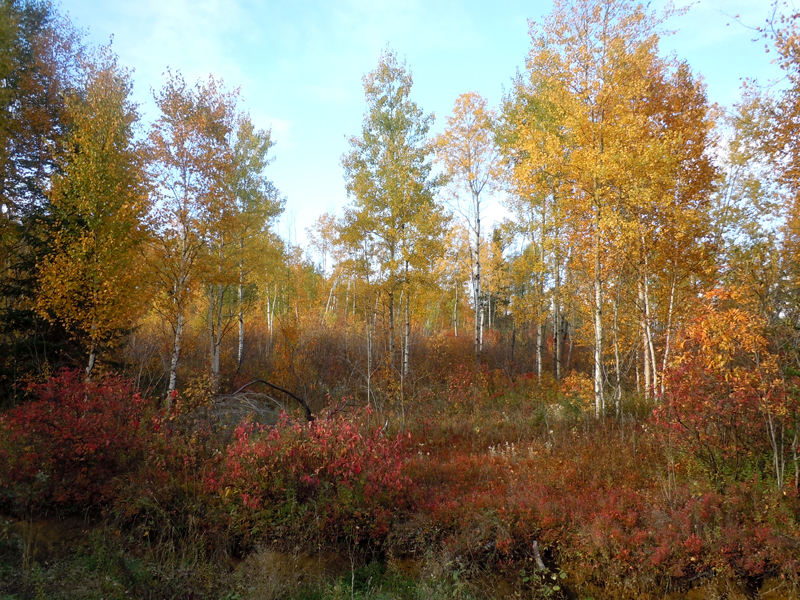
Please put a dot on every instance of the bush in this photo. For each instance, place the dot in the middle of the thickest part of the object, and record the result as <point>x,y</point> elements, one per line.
<point>72,446</point>
<point>326,477</point>
<point>729,406</point>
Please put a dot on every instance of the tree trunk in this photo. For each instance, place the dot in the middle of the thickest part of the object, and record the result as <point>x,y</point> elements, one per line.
<point>211,344</point>
<point>477,286</point>
<point>649,332</point>
<point>407,338</point>
<point>668,340</point>
<point>775,433</point>
<point>638,375</point>
<point>455,315</point>
<point>347,299</point>
<point>391,330</point>
<point>539,345</point>
<point>648,388</point>
<point>557,340</point>
<point>541,313</point>
<point>599,400</point>
<point>92,359</point>
<point>240,349</point>
<point>330,295</point>
<point>370,320</point>
<point>216,294</point>
<point>569,350</point>
<point>179,297</point>
<point>513,339</point>
<point>176,354</point>
<point>557,325</point>
<point>483,324</point>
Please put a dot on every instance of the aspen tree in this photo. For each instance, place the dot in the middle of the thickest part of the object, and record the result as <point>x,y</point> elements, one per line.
<point>257,204</point>
<point>620,135</point>
<point>92,280</point>
<point>470,157</point>
<point>389,180</point>
<point>190,160</point>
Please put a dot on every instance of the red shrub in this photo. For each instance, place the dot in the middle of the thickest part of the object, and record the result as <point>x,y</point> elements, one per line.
<point>71,445</point>
<point>354,480</point>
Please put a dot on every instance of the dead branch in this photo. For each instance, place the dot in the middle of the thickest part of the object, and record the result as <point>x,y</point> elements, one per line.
<point>303,403</point>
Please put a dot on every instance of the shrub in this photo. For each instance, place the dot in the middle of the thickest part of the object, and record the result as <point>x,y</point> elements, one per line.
<point>728,404</point>
<point>278,480</point>
<point>72,445</point>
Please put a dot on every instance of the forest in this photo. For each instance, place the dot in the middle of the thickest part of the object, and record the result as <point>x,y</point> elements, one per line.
<point>598,397</point>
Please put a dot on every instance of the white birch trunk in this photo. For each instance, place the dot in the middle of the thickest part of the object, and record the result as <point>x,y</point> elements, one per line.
<point>477,285</point>
<point>176,355</point>
<point>407,338</point>
<point>455,315</point>
<point>328,303</point>
<point>645,351</point>
<point>649,333</point>
<point>668,340</point>
<point>539,344</point>
<point>599,400</point>
<point>240,348</point>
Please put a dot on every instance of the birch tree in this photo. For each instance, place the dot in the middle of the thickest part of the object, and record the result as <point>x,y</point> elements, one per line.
<point>257,202</point>
<point>603,112</point>
<point>469,155</point>
<point>389,180</point>
<point>91,281</point>
<point>190,161</point>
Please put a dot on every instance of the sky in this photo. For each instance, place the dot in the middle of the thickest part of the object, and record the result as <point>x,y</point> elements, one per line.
<point>299,64</point>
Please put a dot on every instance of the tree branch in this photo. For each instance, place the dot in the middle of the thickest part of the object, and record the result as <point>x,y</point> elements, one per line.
<point>303,403</point>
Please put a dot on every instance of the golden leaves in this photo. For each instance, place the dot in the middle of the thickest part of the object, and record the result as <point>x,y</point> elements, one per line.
<point>89,282</point>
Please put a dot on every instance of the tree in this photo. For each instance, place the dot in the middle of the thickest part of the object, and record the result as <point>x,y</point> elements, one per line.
<point>758,207</point>
<point>767,144</point>
<point>621,134</point>
<point>91,281</point>
<point>533,138</point>
<point>780,127</point>
<point>471,160</point>
<point>258,203</point>
<point>388,177</point>
<point>322,239</point>
<point>190,162</point>
<point>38,70</point>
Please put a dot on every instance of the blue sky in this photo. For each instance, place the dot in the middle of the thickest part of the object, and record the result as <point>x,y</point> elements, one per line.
<point>299,63</point>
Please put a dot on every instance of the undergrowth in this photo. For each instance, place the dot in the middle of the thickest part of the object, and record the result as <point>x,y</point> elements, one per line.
<point>493,487</point>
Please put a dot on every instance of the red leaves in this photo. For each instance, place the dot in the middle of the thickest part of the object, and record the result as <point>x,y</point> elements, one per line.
<point>693,545</point>
<point>596,501</point>
<point>331,463</point>
<point>71,445</point>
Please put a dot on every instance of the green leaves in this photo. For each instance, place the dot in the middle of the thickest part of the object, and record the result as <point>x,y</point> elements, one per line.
<point>394,219</point>
<point>388,177</point>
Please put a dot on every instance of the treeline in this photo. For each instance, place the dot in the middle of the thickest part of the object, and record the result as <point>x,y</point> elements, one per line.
<point>151,250</point>
<point>106,224</point>
<point>157,335</point>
